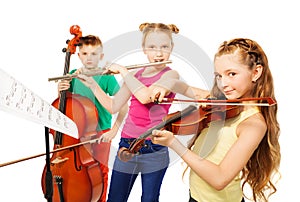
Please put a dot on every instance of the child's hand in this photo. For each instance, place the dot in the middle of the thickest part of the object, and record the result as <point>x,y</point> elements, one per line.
<point>158,93</point>
<point>107,137</point>
<point>79,71</point>
<point>64,85</point>
<point>162,137</point>
<point>88,81</point>
<point>114,68</point>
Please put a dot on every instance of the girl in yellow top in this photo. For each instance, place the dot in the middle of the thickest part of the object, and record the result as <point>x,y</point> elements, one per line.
<point>247,148</point>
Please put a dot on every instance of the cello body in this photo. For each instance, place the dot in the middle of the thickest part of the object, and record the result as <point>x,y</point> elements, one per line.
<point>76,174</point>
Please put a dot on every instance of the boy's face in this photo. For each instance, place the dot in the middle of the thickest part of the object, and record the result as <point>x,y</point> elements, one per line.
<point>90,55</point>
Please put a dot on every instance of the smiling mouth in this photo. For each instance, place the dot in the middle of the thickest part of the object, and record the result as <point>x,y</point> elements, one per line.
<point>228,92</point>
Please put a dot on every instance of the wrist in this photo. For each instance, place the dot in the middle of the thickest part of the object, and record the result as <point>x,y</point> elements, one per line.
<point>94,88</point>
<point>115,128</point>
<point>178,147</point>
<point>123,71</point>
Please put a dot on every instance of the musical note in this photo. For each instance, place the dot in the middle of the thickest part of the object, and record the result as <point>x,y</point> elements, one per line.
<point>15,98</point>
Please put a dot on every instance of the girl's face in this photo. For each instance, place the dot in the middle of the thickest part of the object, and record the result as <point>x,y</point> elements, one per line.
<point>234,79</point>
<point>90,55</point>
<point>157,46</point>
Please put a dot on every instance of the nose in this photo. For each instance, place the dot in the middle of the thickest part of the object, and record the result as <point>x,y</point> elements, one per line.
<point>223,82</point>
<point>89,56</point>
<point>159,52</point>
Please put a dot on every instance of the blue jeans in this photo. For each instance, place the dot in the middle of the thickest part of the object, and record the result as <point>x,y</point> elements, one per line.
<point>152,162</point>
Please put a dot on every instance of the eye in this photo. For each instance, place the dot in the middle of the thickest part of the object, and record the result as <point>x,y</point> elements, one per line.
<point>231,74</point>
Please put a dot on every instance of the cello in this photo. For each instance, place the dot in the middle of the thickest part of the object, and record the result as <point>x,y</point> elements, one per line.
<point>76,174</point>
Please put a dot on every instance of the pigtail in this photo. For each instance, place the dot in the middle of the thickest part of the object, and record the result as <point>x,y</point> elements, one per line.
<point>173,28</point>
<point>143,26</point>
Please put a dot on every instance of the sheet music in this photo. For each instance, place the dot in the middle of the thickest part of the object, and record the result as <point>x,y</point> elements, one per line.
<point>17,99</point>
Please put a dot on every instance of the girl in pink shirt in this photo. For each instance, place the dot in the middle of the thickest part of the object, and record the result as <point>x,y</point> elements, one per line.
<point>138,87</point>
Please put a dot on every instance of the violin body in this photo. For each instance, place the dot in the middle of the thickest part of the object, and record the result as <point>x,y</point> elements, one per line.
<point>199,119</point>
<point>76,174</point>
<point>191,120</point>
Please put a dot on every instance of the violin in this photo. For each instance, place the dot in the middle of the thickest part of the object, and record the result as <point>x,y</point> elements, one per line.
<point>125,154</point>
<point>215,110</point>
<point>193,120</point>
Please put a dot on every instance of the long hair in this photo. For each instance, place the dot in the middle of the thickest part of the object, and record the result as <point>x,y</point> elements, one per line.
<point>265,160</point>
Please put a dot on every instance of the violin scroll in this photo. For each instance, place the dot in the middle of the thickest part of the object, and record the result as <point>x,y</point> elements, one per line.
<point>124,154</point>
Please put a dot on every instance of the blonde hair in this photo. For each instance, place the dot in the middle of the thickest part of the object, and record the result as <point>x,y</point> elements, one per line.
<point>147,28</point>
<point>265,160</point>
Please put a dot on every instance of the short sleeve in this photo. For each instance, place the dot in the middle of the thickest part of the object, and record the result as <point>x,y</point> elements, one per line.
<point>112,85</point>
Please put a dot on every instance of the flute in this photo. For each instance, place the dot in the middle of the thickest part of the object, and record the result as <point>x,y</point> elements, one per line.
<point>101,71</point>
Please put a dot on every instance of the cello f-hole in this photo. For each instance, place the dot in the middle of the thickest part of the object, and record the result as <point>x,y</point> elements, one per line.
<point>78,168</point>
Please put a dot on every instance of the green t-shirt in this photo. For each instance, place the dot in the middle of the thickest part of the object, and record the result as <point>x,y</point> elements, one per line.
<point>108,84</point>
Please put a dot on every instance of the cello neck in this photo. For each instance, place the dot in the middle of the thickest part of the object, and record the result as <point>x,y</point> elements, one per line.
<point>71,49</point>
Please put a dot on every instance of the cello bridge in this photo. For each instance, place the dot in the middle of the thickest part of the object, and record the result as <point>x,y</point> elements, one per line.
<point>59,160</point>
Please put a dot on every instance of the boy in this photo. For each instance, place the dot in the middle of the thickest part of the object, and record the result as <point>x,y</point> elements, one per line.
<point>90,54</point>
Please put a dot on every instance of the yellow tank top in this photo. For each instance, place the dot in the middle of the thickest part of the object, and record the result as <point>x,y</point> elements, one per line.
<point>224,133</point>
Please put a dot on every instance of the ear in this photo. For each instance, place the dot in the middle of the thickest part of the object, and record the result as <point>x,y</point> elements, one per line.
<point>101,56</point>
<point>257,72</point>
<point>172,44</point>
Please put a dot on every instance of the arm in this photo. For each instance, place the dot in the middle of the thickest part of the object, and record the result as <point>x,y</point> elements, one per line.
<point>178,86</point>
<point>250,132</point>
<point>111,104</point>
<point>140,91</point>
<point>108,136</point>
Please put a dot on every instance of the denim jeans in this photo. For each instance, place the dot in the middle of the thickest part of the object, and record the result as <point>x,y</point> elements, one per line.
<point>152,162</point>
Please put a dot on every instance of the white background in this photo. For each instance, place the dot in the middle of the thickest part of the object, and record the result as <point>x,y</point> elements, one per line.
<point>34,32</point>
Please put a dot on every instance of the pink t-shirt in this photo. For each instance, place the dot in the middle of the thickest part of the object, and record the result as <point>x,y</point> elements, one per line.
<point>141,117</point>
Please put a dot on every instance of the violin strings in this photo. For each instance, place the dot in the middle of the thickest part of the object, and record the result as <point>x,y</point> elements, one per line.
<point>224,104</point>
<point>235,102</point>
